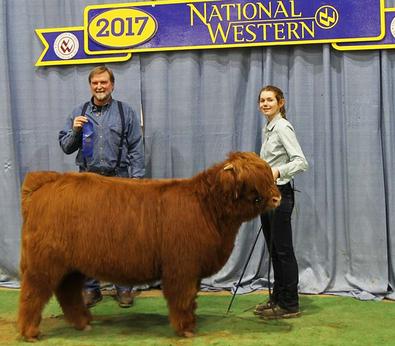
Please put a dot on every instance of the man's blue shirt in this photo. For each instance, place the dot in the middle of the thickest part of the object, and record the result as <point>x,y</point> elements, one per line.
<point>107,129</point>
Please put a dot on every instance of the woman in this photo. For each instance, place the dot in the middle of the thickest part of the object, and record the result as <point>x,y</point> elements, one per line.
<point>283,153</point>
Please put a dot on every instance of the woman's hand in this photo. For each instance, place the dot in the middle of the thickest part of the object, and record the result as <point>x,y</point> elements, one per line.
<point>276,173</point>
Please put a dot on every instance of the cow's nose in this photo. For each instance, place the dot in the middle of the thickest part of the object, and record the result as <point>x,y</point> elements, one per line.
<point>276,201</point>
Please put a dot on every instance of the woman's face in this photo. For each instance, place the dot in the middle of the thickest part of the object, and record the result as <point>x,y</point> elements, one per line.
<point>268,104</point>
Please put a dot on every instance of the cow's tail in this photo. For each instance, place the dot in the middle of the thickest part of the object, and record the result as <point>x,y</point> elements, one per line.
<point>34,181</point>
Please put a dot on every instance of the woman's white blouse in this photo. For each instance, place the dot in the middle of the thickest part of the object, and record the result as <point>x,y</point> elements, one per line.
<point>281,149</point>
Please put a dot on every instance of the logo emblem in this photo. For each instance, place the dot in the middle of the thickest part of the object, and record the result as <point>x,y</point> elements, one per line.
<point>326,17</point>
<point>392,27</point>
<point>66,46</point>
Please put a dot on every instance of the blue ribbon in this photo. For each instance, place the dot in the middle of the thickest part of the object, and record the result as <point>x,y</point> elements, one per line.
<point>87,139</point>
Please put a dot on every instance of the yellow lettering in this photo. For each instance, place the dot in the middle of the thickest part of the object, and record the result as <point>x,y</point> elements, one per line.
<point>293,14</point>
<point>238,31</point>
<point>227,10</point>
<point>253,11</point>
<point>194,10</point>
<point>238,11</point>
<point>281,9</point>
<point>215,13</point>
<point>305,28</point>
<point>264,27</point>
<point>219,30</point>
<point>263,8</point>
<point>252,33</point>
<point>279,29</point>
<point>292,27</point>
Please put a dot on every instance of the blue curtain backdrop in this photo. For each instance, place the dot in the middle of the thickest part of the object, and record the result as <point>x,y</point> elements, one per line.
<point>199,105</point>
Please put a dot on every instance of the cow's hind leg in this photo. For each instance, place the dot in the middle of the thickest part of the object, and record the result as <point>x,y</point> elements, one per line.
<point>69,295</point>
<point>181,300</point>
<point>35,293</point>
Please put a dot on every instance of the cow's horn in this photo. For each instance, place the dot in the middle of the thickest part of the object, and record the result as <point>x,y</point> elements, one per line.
<point>228,166</point>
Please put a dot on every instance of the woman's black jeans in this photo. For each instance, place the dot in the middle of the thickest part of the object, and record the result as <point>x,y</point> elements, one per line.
<point>279,242</point>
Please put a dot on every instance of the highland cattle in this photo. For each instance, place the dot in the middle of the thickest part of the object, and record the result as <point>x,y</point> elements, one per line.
<point>132,232</point>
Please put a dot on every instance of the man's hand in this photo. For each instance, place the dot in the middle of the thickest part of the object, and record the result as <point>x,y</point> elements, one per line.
<point>79,123</point>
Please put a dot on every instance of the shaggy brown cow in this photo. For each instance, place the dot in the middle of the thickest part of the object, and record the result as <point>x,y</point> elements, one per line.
<point>132,232</point>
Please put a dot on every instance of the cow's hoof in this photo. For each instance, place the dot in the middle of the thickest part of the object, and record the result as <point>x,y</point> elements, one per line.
<point>30,338</point>
<point>188,334</point>
<point>33,337</point>
<point>87,328</point>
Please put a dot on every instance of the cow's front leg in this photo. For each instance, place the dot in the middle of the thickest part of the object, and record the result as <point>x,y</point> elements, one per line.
<point>181,300</point>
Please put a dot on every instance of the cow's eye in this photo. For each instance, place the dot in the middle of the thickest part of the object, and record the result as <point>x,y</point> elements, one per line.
<point>257,197</point>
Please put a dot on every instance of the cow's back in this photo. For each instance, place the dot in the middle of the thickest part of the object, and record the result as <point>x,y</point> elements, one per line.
<point>87,221</point>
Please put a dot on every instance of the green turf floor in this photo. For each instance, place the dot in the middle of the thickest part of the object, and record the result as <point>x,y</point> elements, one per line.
<point>325,320</point>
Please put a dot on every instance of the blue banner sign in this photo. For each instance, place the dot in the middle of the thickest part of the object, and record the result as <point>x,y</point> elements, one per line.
<point>180,25</point>
<point>111,32</point>
<point>388,42</point>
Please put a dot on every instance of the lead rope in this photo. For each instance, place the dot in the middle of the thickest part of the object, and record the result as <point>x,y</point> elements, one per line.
<point>244,269</point>
<point>272,214</point>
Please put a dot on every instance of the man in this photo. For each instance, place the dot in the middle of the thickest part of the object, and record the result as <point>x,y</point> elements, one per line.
<point>108,137</point>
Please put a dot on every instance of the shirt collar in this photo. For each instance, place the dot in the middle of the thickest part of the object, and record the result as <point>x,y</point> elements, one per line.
<point>99,108</point>
<point>270,126</point>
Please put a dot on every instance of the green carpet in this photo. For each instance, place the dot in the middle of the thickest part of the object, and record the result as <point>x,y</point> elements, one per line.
<point>325,321</point>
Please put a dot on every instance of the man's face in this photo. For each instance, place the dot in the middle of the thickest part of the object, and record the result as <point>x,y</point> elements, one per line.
<point>101,88</point>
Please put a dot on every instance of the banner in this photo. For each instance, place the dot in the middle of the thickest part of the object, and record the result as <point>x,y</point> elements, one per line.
<point>111,32</point>
<point>65,46</point>
<point>388,42</point>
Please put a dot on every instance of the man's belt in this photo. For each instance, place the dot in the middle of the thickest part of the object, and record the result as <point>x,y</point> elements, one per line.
<point>105,172</point>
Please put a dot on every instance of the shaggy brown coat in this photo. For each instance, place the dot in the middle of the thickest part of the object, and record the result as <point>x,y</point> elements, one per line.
<point>133,231</point>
